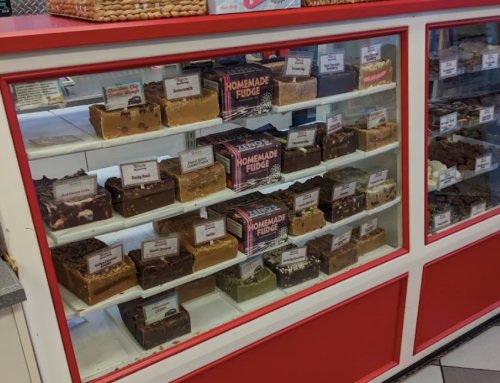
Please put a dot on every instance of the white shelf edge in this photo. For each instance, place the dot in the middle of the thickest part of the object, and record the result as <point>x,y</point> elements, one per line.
<point>297,106</point>
<point>288,177</point>
<point>385,206</point>
<point>344,160</point>
<point>383,149</point>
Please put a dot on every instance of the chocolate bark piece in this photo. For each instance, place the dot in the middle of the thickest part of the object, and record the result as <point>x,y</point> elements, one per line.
<point>70,265</point>
<point>369,242</point>
<point>136,200</point>
<point>373,74</point>
<point>338,144</point>
<point>371,139</point>
<point>71,213</point>
<point>244,90</point>
<point>332,261</point>
<point>158,271</point>
<point>183,111</point>
<point>294,274</point>
<point>198,184</point>
<point>196,289</point>
<point>125,122</point>
<point>223,208</point>
<point>335,83</point>
<point>287,91</point>
<point>219,138</point>
<point>259,226</point>
<point>154,334</point>
<point>250,162</point>
<point>229,281</point>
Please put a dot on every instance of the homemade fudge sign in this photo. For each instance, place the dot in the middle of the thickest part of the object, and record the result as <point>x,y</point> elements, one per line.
<point>56,140</point>
<point>140,173</point>
<point>298,64</point>
<point>486,114</point>
<point>194,159</point>
<point>333,122</point>
<point>331,63</point>
<point>75,188</point>
<point>250,267</point>
<point>478,208</point>
<point>377,118</point>
<point>371,53</point>
<point>442,220</point>
<point>483,163</point>
<point>301,138</point>
<point>448,123</point>
<point>38,94</point>
<point>448,67</point>
<point>209,231</point>
<point>161,308</point>
<point>377,178</point>
<point>184,86</point>
<point>123,94</point>
<point>490,60</point>
<point>104,259</point>
<point>343,191</point>
<point>447,178</point>
<point>304,200</point>
<point>341,239</point>
<point>292,256</point>
<point>368,227</point>
<point>161,247</point>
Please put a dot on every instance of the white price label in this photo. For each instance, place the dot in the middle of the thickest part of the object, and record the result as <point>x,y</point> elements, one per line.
<point>56,140</point>
<point>331,63</point>
<point>333,123</point>
<point>486,114</point>
<point>371,53</point>
<point>293,256</point>
<point>161,247</point>
<point>194,159</point>
<point>442,220</point>
<point>183,87</point>
<point>123,94</point>
<point>298,66</point>
<point>377,118</point>
<point>448,123</point>
<point>209,231</point>
<point>483,163</point>
<point>301,138</point>
<point>368,227</point>
<point>340,240</point>
<point>447,178</point>
<point>344,191</point>
<point>490,60</point>
<point>38,94</point>
<point>478,208</point>
<point>140,173</point>
<point>104,259</point>
<point>377,178</point>
<point>304,200</point>
<point>250,267</point>
<point>75,188</point>
<point>448,67</point>
<point>160,309</point>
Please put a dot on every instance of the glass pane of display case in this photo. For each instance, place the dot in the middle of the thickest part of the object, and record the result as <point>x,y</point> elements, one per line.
<point>177,198</point>
<point>463,131</point>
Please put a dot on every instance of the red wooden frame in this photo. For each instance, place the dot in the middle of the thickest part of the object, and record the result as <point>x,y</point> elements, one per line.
<point>459,226</point>
<point>20,34</point>
<point>38,75</point>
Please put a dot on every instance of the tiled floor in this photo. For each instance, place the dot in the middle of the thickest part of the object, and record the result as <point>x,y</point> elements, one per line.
<point>476,361</point>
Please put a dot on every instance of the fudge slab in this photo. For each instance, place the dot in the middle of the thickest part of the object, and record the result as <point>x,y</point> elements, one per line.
<point>229,281</point>
<point>287,92</point>
<point>332,261</point>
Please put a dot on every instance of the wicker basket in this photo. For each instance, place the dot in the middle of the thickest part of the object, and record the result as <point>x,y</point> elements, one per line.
<point>317,3</point>
<point>123,10</point>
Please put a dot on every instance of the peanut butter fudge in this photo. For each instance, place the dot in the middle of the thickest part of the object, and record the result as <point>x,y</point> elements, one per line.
<point>198,184</point>
<point>70,264</point>
<point>287,91</point>
<point>371,139</point>
<point>332,261</point>
<point>369,242</point>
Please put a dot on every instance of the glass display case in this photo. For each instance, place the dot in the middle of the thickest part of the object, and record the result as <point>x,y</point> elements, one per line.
<point>463,178</point>
<point>177,198</point>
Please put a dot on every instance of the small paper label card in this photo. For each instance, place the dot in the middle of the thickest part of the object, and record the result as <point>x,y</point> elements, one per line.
<point>194,159</point>
<point>104,259</point>
<point>307,199</point>
<point>341,239</point>
<point>333,122</point>
<point>377,178</point>
<point>448,123</point>
<point>298,64</point>
<point>490,60</point>
<point>343,191</point>
<point>331,63</point>
<point>368,227</point>
<point>478,208</point>
<point>301,138</point>
<point>250,267</point>
<point>442,220</point>
<point>33,95</point>
<point>184,86</point>
<point>447,178</point>
<point>123,94</point>
<point>161,308</point>
<point>371,53</point>
<point>377,118</point>
<point>448,67</point>
<point>140,173</point>
<point>483,163</point>
<point>209,231</point>
<point>75,188</point>
<point>486,114</point>
<point>292,256</point>
<point>161,247</point>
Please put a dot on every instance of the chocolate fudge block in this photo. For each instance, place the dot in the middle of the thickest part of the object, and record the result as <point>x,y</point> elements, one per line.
<point>158,271</point>
<point>70,265</point>
<point>229,281</point>
<point>223,208</point>
<point>335,83</point>
<point>460,154</point>
<point>287,91</point>
<point>244,90</point>
<point>373,74</point>
<point>332,261</point>
<point>218,138</point>
<point>337,144</point>
<point>259,226</point>
<point>294,274</point>
<point>342,208</point>
<point>71,213</point>
<point>196,289</point>
<point>369,242</point>
<point>371,139</point>
<point>250,162</point>
<point>183,111</point>
<point>198,184</point>
<point>125,122</point>
<point>154,334</point>
<point>136,200</point>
